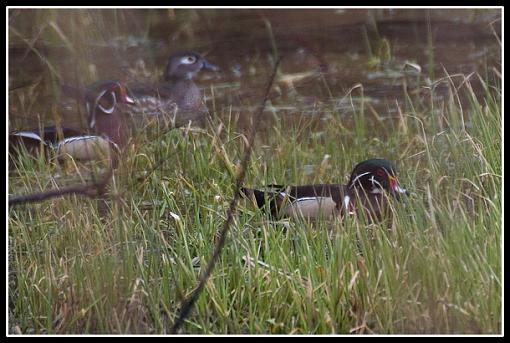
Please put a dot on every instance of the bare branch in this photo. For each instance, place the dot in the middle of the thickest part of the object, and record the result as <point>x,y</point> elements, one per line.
<point>91,190</point>
<point>220,243</point>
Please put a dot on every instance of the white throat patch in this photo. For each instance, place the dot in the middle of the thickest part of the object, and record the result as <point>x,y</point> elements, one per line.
<point>109,110</point>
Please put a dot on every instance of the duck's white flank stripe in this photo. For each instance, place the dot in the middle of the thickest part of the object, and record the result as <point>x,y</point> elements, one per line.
<point>82,138</point>
<point>78,138</point>
<point>318,199</point>
<point>68,140</point>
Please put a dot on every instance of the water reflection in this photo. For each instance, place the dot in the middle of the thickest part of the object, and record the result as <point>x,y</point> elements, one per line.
<point>333,59</point>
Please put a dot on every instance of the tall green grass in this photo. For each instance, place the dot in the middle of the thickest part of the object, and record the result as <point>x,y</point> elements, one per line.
<point>76,267</point>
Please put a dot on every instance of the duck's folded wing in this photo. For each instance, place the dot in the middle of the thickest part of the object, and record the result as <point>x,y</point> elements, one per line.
<point>268,199</point>
<point>48,135</point>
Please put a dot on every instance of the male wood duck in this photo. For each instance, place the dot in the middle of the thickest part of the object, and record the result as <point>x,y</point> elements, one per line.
<point>177,100</point>
<point>373,182</point>
<point>107,127</point>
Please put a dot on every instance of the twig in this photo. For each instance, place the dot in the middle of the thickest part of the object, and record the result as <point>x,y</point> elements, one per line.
<point>91,190</point>
<point>188,303</point>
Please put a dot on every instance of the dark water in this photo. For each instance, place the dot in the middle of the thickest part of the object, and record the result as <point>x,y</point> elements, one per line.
<point>326,54</point>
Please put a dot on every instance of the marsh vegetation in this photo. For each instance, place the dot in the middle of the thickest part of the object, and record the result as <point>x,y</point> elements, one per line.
<point>414,87</point>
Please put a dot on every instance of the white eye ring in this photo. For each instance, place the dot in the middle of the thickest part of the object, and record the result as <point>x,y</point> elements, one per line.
<point>188,59</point>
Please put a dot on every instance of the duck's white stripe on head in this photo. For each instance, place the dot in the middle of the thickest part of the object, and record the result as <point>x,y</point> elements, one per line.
<point>100,95</point>
<point>357,177</point>
<point>92,111</point>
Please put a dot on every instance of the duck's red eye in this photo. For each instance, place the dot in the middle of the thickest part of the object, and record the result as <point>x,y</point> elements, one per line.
<point>380,172</point>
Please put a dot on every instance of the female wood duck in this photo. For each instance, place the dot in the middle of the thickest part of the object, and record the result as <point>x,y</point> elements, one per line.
<point>371,184</point>
<point>177,100</point>
<point>107,127</point>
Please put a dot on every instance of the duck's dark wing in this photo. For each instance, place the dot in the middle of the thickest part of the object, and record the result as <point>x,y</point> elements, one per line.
<point>30,140</point>
<point>48,135</point>
<point>274,196</point>
<point>267,199</point>
<point>33,139</point>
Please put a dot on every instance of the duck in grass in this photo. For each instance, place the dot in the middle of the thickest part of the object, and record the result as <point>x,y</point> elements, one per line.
<point>177,100</point>
<point>107,127</point>
<point>372,186</point>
